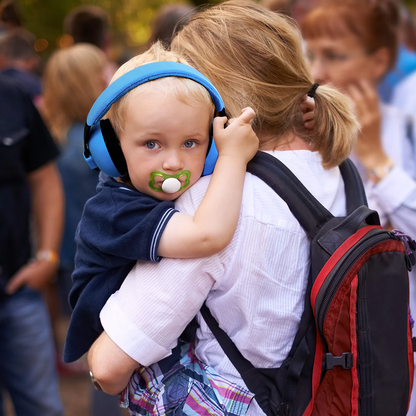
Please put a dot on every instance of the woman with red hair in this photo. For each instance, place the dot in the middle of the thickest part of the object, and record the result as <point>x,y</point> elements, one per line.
<point>351,45</point>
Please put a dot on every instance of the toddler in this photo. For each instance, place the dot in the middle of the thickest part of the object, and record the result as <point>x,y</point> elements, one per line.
<point>163,128</point>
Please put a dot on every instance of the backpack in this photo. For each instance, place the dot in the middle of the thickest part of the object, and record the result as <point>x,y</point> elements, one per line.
<point>353,353</point>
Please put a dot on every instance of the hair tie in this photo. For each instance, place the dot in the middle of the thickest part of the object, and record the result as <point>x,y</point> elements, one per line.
<point>311,92</point>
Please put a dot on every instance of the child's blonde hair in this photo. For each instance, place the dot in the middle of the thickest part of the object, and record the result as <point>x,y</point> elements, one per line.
<point>185,90</point>
<point>254,57</point>
<point>73,80</point>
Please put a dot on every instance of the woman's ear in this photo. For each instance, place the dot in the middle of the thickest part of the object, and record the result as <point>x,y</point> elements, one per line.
<point>381,63</point>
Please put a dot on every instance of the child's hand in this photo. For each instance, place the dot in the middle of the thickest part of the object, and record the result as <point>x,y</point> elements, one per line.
<point>238,140</point>
<point>308,109</point>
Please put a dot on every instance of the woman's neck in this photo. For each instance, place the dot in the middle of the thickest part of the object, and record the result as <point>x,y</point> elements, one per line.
<point>282,143</point>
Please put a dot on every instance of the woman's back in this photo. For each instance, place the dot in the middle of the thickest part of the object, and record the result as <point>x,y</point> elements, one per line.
<point>257,283</point>
<point>259,297</point>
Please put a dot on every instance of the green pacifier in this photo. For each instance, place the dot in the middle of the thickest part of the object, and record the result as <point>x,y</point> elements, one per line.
<point>171,183</point>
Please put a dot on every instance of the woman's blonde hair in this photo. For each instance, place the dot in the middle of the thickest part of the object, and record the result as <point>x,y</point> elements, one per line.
<point>254,57</point>
<point>73,80</point>
<point>185,90</point>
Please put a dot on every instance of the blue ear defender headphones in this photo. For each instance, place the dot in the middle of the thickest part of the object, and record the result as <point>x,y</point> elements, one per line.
<point>102,148</point>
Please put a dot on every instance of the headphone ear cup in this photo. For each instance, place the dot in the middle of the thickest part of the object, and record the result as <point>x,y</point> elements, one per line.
<point>211,159</point>
<point>212,154</point>
<point>105,150</point>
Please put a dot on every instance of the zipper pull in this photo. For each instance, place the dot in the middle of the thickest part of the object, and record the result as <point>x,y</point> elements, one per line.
<point>411,320</point>
<point>409,245</point>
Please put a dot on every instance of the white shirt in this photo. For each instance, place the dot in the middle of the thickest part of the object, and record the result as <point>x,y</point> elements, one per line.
<point>254,287</point>
<point>404,97</point>
<point>394,197</point>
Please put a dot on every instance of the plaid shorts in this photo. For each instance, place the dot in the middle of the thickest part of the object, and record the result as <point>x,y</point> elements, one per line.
<point>181,385</point>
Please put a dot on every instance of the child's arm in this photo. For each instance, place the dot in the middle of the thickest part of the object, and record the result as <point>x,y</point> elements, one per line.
<point>213,225</point>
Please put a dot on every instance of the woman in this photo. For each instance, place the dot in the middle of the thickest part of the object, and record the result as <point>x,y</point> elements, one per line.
<point>73,79</point>
<point>255,287</point>
<point>352,45</point>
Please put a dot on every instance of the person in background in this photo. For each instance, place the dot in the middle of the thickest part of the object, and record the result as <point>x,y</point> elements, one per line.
<point>297,9</point>
<point>403,95</point>
<point>168,21</point>
<point>255,287</point>
<point>10,15</point>
<point>73,80</point>
<point>90,24</point>
<point>352,45</point>
<point>405,65</point>
<point>29,187</point>
<point>407,28</point>
<point>278,6</point>
<point>406,58</point>
<point>19,60</point>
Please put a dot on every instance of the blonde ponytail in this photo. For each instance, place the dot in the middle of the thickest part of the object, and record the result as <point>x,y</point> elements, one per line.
<point>335,127</point>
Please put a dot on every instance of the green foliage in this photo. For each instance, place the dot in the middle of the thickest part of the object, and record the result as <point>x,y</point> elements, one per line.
<point>45,17</point>
<point>411,4</point>
<point>130,19</point>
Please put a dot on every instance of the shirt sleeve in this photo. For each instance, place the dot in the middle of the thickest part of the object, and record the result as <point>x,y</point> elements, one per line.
<point>125,225</point>
<point>156,302</point>
<point>395,196</point>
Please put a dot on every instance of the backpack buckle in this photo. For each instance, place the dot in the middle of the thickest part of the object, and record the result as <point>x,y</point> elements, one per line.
<point>345,361</point>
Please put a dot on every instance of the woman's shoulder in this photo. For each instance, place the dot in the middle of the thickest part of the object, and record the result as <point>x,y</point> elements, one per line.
<point>307,167</point>
<point>263,204</point>
<point>189,201</point>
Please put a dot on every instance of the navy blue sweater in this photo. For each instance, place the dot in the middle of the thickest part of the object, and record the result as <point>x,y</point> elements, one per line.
<point>119,226</point>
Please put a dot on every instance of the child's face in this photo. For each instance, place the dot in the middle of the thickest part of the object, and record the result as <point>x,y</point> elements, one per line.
<point>166,135</point>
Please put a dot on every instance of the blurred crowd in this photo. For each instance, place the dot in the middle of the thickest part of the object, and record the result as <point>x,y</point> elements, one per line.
<point>365,48</point>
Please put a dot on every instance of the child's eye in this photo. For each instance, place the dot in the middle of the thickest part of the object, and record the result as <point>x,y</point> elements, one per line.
<point>152,145</point>
<point>189,144</point>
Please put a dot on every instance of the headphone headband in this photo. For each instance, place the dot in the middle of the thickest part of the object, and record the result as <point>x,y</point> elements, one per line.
<point>101,146</point>
<point>145,73</point>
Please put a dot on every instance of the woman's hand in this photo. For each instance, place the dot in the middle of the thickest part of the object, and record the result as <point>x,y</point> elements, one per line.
<point>368,148</point>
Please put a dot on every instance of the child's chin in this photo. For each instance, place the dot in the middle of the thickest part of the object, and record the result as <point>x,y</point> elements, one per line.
<point>163,196</point>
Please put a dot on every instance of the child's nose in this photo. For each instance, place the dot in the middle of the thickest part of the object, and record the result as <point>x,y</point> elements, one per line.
<point>173,162</point>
